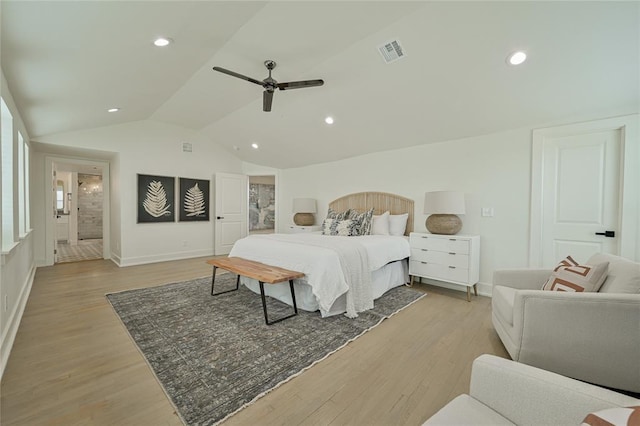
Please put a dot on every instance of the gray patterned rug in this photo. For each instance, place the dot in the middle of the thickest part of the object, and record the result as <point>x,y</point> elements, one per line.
<point>215,355</point>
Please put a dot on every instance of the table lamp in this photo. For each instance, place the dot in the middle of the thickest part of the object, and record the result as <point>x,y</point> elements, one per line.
<point>304,208</point>
<point>443,206</point>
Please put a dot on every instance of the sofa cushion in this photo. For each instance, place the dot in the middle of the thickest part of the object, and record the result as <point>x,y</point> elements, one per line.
<point>623,275</point>
<point>570,276</point>
<point>466,410</point>
<point>502,300</point>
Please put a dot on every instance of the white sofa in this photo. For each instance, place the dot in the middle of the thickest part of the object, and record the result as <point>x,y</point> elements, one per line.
<point>504,392</point>
<point>594,337</point>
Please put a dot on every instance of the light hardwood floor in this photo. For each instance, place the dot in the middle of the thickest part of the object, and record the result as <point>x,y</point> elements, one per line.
<point>74,363</point>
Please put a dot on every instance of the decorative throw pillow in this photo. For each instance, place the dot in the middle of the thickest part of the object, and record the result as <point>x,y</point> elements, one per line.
<point>364,221</point>
<point>623,416</point>
<point>332,214</point>
<point>345,228</point>
<point>398,224</point>
<point>380,224</point>
<point>326,226</point>
<point>569,275</point>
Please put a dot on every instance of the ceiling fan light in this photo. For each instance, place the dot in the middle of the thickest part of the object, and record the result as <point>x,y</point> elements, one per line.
<point>328,120</point>
<point>162,42</point>
<point>516,58</point>
<point>254,145</point>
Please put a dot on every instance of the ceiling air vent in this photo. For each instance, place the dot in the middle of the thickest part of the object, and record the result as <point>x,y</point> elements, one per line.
<point>391,51</point>
<point>187,147</point>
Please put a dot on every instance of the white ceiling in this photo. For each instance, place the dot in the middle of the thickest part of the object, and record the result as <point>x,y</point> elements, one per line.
<point>66,62</point>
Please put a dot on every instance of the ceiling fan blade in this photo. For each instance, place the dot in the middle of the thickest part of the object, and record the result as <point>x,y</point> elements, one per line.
<point>300,84</point>
<point>235,74</point>
<point>267,99</point>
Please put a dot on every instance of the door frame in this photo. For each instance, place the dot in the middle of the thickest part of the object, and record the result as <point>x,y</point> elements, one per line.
<point>629,181</point>
<point>277,194</point>
<point>50,222</point>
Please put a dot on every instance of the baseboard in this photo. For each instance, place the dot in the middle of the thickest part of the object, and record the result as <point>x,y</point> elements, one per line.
<point>116,259</point>
<point>484,289</point>
<point>14,320</point>
<point>143,260</point>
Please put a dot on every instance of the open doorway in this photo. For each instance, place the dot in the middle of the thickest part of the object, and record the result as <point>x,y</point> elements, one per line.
<point>79,204</point>
<point>262,204</point>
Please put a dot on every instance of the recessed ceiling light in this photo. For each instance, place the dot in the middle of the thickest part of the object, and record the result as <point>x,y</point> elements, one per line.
<point>328,120</point>
<point>162,41</point>
<point>516,58</point>
<point>254,145</point>
<point>113,110</point>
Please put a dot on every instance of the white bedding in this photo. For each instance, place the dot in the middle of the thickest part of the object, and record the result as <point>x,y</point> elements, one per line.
<point>310,254</point>
<point>384,279</point>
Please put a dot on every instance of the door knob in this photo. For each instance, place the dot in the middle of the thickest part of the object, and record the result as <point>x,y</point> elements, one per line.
<point>219,217</point>
<point>609,234</point>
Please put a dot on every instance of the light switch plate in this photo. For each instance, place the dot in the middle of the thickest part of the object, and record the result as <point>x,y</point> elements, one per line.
<point>487,211</point>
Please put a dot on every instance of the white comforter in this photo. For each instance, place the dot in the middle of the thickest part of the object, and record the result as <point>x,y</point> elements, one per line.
<point>310,253</point>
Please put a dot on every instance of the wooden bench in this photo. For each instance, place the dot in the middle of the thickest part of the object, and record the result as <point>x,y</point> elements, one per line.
<point>260,272</point>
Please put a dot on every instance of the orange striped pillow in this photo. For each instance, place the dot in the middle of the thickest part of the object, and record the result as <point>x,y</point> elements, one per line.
<point>570,276</point>
<point>619,416</point>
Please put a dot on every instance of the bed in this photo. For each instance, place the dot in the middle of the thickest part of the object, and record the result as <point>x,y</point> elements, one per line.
<point>342,274</point>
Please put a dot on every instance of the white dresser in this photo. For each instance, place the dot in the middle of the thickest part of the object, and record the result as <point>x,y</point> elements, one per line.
<point>450,258</point>
<point>295,229</point>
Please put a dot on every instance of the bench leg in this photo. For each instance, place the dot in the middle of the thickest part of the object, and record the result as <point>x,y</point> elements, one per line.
<point>264,304</point>
<point>213,281</point>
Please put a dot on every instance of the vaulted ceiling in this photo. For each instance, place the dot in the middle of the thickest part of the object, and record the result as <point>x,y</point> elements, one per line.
<point>67,62</point>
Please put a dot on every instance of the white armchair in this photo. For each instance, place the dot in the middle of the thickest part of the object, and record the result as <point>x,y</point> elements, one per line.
<point>503,392</point>
<point>594,337</point>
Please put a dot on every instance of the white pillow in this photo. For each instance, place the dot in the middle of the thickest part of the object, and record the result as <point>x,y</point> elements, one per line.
<point>398,224</point>
<point>380,225</point>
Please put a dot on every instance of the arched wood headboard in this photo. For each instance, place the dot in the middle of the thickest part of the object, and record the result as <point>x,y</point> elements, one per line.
<point>380,201</point>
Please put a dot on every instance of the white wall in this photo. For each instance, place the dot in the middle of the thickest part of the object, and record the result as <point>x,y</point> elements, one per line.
<point>17,267</point>
<point>492,171</point>
<point>150,147</point>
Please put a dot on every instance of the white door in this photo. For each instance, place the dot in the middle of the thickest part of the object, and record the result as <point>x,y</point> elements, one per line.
<point>580,195</point>
<point>54,211</point>
<point>231,211</point>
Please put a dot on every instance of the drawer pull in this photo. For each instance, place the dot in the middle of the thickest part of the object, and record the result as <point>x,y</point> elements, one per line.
<point>424,249</point>
<point>452,267</point>
<point>452,253</point>
<point>424,263</point>
<point>423,236</point>
<point>453,239</point>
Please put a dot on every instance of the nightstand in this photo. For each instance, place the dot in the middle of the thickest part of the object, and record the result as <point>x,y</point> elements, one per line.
<point>453,259</point>
<point>295,229</point>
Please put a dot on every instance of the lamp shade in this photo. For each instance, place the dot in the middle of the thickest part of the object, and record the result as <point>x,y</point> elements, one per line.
<point>444,202</point>
<point>304,205</point>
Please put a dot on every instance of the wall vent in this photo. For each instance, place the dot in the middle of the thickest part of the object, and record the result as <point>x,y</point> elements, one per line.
<point>187,147</point>
<point>391,51</point>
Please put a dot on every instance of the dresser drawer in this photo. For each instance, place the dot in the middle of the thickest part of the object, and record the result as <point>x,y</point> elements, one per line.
<point>440,257</point>
<point>438,271</point>
<point>453,244</point>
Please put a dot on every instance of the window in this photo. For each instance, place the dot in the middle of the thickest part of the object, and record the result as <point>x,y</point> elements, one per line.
<point>6,154</point>
<point>22,231</point>
<point>27,191</point>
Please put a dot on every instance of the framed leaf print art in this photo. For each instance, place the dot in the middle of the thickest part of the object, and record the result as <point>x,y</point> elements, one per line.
<point>156,199</point>
<point>194,200</point>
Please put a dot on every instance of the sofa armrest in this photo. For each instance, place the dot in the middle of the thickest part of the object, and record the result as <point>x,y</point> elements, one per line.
<point>521,279</point>
<point>571,333</point>
<point>527,395</point>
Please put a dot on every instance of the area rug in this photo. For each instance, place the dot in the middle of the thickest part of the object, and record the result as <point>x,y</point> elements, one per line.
<point>215,355</point>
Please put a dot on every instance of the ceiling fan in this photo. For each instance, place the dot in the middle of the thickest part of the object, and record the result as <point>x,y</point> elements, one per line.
<point>270,85</point>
